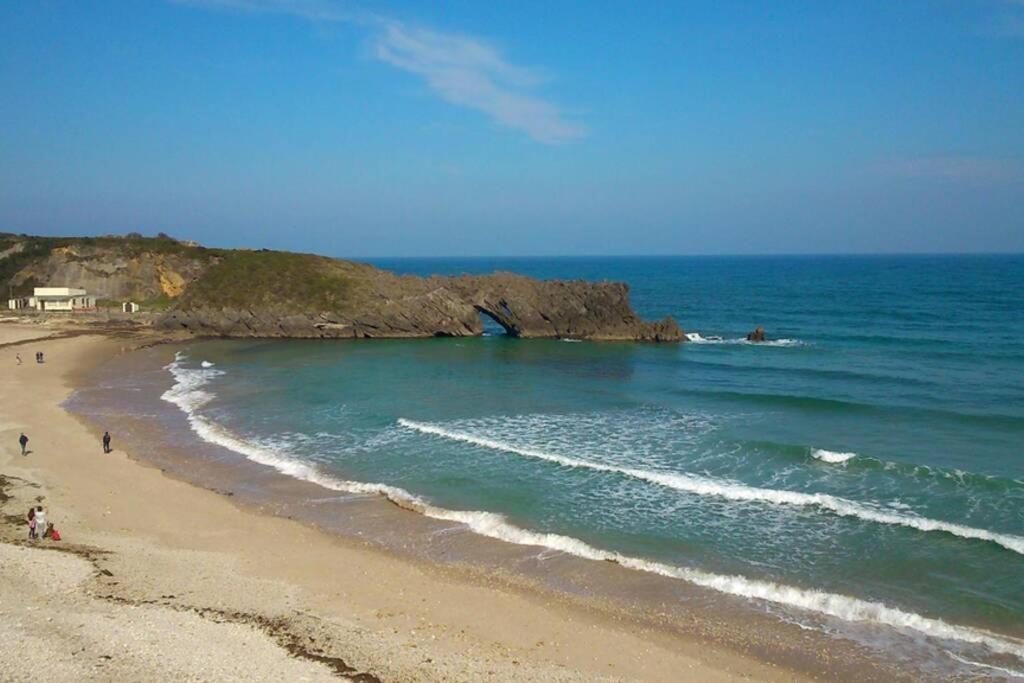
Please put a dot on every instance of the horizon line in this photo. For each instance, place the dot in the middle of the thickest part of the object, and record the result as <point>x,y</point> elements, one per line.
<point>794,254</point>
<point>716,254</point>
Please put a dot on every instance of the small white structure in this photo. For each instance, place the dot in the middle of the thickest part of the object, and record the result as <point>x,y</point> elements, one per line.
<point>129,307</point>
<point>19,303</point>
<point>62,299</point>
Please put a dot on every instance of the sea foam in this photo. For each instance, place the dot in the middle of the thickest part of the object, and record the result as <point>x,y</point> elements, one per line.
<point>723,488</point>
<point>831,457</point>
<point>188,394</point>
<point>696,338</point>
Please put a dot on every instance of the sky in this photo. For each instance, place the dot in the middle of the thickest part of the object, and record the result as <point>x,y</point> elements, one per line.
<point>518,128</point>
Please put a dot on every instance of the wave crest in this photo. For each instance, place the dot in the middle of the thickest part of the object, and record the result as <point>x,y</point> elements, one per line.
<point>188,394</point>
<point>832,457</point>
<point>706,486</point>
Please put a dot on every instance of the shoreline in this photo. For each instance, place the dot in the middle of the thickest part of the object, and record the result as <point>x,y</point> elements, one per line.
<point>400,524</point>
<point>470,627</point>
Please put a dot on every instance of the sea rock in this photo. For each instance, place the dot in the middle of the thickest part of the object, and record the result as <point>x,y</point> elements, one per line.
<point>757,335</point>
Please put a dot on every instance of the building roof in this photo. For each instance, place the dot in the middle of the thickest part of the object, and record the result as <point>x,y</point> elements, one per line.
<point>58,292</point>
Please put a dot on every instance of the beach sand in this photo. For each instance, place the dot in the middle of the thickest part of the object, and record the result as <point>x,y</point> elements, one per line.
<point>155,578</point>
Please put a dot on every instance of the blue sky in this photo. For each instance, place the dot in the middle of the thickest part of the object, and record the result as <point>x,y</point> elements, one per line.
<point>519,128</point>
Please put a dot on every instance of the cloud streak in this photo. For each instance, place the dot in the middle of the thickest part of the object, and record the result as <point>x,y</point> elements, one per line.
<point>461,70</point>
<point>470,73</point>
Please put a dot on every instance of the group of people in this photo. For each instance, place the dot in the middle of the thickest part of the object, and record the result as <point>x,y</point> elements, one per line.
<point>38,527</point>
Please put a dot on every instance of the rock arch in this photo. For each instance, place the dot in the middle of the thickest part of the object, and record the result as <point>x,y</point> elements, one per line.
<point>501,318</point>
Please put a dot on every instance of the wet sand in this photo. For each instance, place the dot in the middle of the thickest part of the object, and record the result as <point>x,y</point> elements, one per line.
<point>201,578</point>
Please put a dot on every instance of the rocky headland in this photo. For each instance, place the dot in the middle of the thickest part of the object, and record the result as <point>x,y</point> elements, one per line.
<point>261,294</point>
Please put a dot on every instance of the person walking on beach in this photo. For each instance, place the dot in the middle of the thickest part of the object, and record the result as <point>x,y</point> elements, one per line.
<point>31,523</point>
<point>106,442</point>
<point>17,357</point>
<point>23,440</point>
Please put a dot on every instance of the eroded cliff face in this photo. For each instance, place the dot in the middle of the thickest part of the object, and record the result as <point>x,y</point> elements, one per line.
<point>575,309</point>
<point>380,304</point>
<point>108,274</point>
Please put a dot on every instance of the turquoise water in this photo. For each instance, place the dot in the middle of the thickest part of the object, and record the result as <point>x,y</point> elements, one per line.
<point>870,458</point>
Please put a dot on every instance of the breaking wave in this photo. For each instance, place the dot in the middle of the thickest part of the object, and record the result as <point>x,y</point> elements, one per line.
<point>706,486</point>
<point>188,394</point>
<point>831,457</point>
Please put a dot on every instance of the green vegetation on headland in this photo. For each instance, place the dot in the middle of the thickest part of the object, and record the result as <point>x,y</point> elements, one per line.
<point>274,280</point>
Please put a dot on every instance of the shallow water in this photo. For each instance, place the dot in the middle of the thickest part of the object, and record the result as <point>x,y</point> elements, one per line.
<point>865,468</point>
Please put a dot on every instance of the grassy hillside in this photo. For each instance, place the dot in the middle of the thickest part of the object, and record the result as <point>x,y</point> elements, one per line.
<point>273,280</point>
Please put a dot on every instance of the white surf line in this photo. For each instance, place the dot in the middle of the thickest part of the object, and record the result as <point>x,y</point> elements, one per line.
<point>705,486</point>
<point>831,457</point>
<point>696,338</point>
<point>188,395</point>
<point>1013,673</point>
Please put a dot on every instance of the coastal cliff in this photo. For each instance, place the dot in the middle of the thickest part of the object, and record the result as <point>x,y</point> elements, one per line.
<point>152,270</point>
<point>261,294</point>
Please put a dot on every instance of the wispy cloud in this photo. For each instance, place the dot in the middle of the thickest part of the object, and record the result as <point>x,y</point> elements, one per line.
<point>956,168</point>
<point>470,73</point>
<point>462,70</point>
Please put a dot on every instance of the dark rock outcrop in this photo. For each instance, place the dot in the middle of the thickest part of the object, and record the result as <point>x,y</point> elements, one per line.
<point>757,335</point>
<point>380,304</point>
<point>555,308</point>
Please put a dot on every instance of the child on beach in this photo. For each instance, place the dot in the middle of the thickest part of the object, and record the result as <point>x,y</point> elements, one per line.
<point>31,523</point>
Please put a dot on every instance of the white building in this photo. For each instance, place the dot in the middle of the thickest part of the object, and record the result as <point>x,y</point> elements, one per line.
<point>56,299</point>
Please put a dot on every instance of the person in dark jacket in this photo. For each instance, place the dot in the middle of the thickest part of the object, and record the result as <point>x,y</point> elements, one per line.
<point>23,440</point>
<point>106,442</point>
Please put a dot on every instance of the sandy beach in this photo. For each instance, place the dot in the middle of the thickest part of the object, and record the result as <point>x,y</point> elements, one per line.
<point>155,578</point>
<point>513,341</point>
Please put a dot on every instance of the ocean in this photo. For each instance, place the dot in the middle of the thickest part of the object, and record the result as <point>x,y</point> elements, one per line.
<point>860,475</point>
